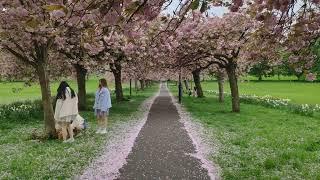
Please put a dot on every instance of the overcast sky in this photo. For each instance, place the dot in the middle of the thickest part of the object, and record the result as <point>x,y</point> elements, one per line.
<point>218,11</point>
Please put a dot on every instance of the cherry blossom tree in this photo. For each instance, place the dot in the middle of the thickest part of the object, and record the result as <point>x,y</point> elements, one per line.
<point>188,51</point>
<point>113,29</point>
<point>30,31</point>
<point>227,42</point>
<point>71,45</point>
<point>220,74</point>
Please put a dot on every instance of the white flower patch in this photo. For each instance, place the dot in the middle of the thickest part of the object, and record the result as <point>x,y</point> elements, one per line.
<point>16,109</point>
<point>269,101</point>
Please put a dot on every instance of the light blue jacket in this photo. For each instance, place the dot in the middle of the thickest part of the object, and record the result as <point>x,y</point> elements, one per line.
<point>102,100</point>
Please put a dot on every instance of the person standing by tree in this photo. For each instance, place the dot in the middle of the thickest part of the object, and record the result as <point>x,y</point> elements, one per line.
<point>102,105</point>
<point>66,110</point>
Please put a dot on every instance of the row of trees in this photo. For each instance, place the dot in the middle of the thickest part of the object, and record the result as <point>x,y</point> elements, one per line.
<point>133,39</point>
<point>287,67</point>
<point>260,33</point>
<point>47,39</point>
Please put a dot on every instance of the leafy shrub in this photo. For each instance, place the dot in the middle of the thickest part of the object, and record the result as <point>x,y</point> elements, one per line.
<point>21,111</point>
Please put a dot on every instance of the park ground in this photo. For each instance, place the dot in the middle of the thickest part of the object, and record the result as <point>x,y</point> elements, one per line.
<point>30,157</point>
<point>261,142</point>
<point>258,143</point>
<point>297,92</point>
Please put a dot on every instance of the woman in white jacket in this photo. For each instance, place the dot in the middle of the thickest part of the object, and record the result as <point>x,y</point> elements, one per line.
<point>66,110</point>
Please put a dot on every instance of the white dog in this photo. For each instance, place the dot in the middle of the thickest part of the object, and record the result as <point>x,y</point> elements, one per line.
<point>78,125</point>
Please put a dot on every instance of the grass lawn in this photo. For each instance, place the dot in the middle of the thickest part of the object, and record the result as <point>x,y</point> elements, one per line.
<point>23,158</point>
<point>271,78</point>
<point>259,143</point>
<point>298,92</point>
<point>17,91</point>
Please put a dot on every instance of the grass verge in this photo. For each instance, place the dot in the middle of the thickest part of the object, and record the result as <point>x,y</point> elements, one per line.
<point>298,92</point>
<point>25,158</point>
<point>259,142</point>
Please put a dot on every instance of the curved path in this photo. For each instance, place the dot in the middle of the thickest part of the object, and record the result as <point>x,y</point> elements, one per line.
<point>163,148</point>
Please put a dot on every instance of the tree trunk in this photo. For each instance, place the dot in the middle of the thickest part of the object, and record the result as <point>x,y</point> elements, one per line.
<point>221,88</point>
<point>260,77</point>
<point>116,70</point>
<point>136,84</point>
<point>46,100</point>
<point>130,87</point>
<point>233,81</point>
<point>142,84</point>
<point>118,87</point>
<point>197,83</point>
<point>81,80</point>
<point>180,89</point>
<point>186,83</point>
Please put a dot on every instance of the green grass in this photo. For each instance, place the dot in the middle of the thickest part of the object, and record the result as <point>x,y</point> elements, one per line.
<point>17,91</point>
<point>298,92</point>
<point>23,158</point>
<point>271,78</point>
<point>253,78</point>
<point>259,143</point>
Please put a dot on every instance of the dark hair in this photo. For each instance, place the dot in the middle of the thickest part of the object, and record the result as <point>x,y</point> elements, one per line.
<point>61,91</point>
<point>103,83</point>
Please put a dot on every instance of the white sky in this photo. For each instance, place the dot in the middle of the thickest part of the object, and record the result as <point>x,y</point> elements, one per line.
<point>217,11</point>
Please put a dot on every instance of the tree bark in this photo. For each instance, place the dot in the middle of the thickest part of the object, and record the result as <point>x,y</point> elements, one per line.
<point>220,85</point>
<point>197,83</point>
<point>46,100</point>
<point>136,84</point>
<point>233,81</point>
<point>81,80</point>
<point>186,83</point>
<point>39,63</point>
<point>116,70</point>
<point>142,84</point>
<point>180,89</point>
<point>130,87</point>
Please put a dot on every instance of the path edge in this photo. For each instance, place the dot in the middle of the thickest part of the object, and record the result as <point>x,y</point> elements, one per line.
<point>129,132</point>
<point>197,134</point>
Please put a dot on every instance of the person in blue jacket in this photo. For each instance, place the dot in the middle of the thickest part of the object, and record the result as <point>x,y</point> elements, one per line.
<point>102,105</point>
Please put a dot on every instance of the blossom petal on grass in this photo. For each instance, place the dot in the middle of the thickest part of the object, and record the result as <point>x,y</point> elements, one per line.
<point>203,144</point>
<point>114,154</point>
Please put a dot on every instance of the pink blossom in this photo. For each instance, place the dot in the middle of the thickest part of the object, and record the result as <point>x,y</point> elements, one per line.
<point>311,77</point>
<point>57,14</point>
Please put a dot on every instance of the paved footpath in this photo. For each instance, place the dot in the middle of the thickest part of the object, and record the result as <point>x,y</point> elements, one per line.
<point>163,147</point>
